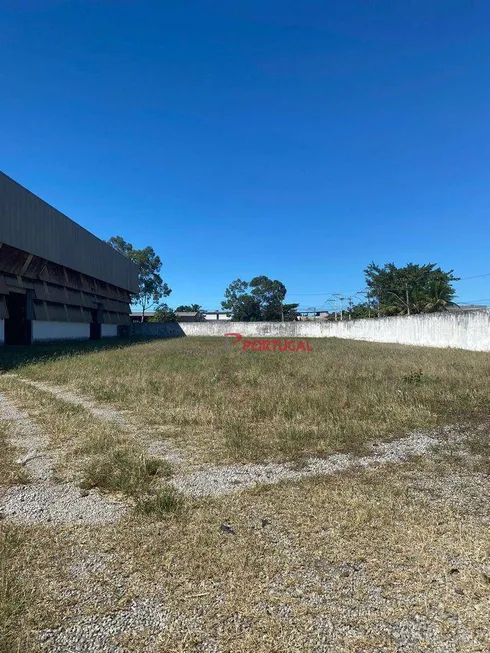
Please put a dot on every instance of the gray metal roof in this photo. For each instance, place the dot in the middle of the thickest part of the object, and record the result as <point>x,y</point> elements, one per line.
<point>28,223</point>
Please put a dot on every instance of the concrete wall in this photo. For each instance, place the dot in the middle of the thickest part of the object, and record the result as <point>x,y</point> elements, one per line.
<point>463,330</point>
<point>161,330</point>
<point>42,331</point>
<point>108,330</point>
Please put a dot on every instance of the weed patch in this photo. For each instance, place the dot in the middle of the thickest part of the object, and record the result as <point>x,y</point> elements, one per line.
<point>163,502</point>
<point>124,470</point>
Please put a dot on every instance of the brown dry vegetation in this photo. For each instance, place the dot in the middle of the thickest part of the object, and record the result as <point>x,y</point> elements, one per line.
<point>246,406</point>
<point>358,562</point>
<point>14,628</point>
<point>10,472</point>
<point>14,593</point>
<point>89,451</point>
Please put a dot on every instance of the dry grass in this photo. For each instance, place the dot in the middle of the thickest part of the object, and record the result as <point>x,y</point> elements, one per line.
<point>354,552</point>
<point>246,406</point>
<point>14,618</point>
<point>354,563</point>
<point>11,473</point>
<point>345,562</point>
<point>69,426</point>
<point>91,452</point>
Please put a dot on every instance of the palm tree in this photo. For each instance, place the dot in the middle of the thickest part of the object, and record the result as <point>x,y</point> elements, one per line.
<point>438,298</point>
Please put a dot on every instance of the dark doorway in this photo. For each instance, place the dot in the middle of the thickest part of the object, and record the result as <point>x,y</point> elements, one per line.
<point>95,327</point>
<point>95,331</point>
<point>18,329</point>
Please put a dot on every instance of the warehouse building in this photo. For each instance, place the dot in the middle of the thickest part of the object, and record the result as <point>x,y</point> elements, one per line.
<point>57,280</point>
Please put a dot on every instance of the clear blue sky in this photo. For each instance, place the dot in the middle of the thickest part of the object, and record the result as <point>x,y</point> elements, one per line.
<point>300,140</point>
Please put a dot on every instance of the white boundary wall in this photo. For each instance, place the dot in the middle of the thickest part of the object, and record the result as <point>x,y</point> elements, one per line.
<point>43,331</point>
<point>462,330</point>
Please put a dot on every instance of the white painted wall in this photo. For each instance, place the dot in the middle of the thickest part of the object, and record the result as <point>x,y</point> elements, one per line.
<point>2,331</point>
<point>108,330</point>
<point>42,331</point>
<point>463,330</point>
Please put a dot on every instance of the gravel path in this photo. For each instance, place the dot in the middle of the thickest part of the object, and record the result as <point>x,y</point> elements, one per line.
<point>121,418</point>
<point>27,437</point>
<point>102,633</point>
<point>209,480</point>
<point>65,394</point>
<point>58,504</point>
<point>44,501</point>
<point>213,480</point>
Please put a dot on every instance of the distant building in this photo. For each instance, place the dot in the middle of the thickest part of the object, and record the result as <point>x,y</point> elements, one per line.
<point>468,307</point>
<point>181,316</point>
<point>186,316</point>
<point>216,315</point>
<point>313,315</point>
<point>138,315</point>
<point>57,280</point>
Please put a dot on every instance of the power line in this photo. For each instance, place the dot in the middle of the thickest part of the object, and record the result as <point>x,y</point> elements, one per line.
<point>308,294</point>
<point>475,301</point>
<point>318,294</point>
<point>477,276</point>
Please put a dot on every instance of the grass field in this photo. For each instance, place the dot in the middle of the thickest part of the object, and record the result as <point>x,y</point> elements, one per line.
<point>359,561</point>
<point>229,405</point>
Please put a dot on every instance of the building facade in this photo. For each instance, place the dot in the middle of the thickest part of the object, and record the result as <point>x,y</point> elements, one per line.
<point>57,280</point>
<point>216,315</point>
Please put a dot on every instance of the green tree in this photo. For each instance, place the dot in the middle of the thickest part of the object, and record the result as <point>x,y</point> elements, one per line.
<point>151,287</point>
<point>260,299</point>
<point>271,294</point>
<point>163,314</point>
<point>361,310</point>
<point>246,309</point>
<point>437,298</point>
<point>189,308</point>
<point>409,289</point>
<point>290,312</point>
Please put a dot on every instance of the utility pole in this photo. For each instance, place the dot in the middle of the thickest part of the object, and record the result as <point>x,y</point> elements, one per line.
<point>364,293</point>
<point>349,299</point>
<point>334,305</point>
<point>341,299</point>
<point>408,299</point>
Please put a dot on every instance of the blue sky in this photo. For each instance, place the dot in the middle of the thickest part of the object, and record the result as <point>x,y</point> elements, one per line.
<point>296,140</point>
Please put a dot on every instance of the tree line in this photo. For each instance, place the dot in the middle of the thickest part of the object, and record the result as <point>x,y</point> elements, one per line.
<point>389,290</point>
